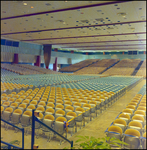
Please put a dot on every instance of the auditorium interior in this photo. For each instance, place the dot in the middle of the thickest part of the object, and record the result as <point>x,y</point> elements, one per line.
<point>73,68</point>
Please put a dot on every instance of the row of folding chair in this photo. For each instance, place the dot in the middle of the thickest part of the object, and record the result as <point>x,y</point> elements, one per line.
<point>130,124</point>
<point>19,117</point>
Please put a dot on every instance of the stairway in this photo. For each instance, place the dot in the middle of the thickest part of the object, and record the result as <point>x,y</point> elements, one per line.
<point>137,68</point>
<point>108,67</point>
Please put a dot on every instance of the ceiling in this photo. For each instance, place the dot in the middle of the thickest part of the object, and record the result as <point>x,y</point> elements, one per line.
<point>77,25</point>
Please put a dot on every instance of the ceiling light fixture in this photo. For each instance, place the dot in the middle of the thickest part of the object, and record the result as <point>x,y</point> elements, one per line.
<point>123,14</point>
<point>32,7</point>
<point>25,4</point>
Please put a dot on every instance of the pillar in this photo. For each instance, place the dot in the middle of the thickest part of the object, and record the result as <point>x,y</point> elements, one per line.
<point>37,61</point>
<point>15,60</point>
<point>47,48</point>
<point>55,65</point>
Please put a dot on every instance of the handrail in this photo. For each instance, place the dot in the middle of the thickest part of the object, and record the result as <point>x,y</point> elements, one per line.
<point>22,129</point>
<point>34,118</point>
<point>10,145</point>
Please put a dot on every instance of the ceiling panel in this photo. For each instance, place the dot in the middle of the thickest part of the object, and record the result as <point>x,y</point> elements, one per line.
<point>75,23</point>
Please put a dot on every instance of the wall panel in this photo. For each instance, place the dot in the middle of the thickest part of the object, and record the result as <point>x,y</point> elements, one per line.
<point>7,57</point>
<point>27,58</point>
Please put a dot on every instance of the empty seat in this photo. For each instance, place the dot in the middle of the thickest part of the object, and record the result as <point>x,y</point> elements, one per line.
<point>80,116</point>
<point>37,124</point>
<point>22,97</point>
<point>135,125</point>
<point>26,120</point>
<point>140,112</point>
<point>59,113</point>
<point>4,99</point>
<point>144,141</point>
<point>41,104</point>
<point>128,111</point>
<point>93,107</point>
<point>69,109</point>
<point>59,125</point>
<point>15,119</point>
<point>44,100</point>
<point>16,96</point>
<point>121,123</point>
<point>75,101</point>
<point>26,102</point>
<point>67,103</point>
<point>59,107</point>
<point>48,120</point>
<point>125,117</point>
<point>49,111</point>
<point>59,102</point>
<point>36,99</point>
<point>132,140</point>
<point>134,104</point>
<point>138,118</point>
<point>83,102</point>
<point>6,116</point>
<point>87,108</point>
<point>18,101</point>
<point>22,107</point>
<point>33,103</point>
<point>6,104</point>
<point>51,101</point>
<point>2,109</point>
<point>114,131</point>
<point>76,105</point>
<point>40,109</point>
<point>142,108</point>
<point>50,105</point>
<point>71,119</point>
<point>30,107</point>
<point>131,107</point>
<point>11,100</point>
<point>14,105</point>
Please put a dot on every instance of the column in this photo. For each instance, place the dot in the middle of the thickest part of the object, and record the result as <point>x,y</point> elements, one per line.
<point>47,48</point>
<point>55,65</point>
<point>37,61</point>
<point>15,60</point>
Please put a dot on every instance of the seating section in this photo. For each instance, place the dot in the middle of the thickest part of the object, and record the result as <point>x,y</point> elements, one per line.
<point>130,125</point>
<point>142,70</point>
<point>97,67</point>
<point>124,67</point>
<point>77,102</point>
<point>26,69</point>
<point>7,73</point>
<point>38,69</point>
<point>68,81</point>
<point>77,66</point>
<point>56,101</point>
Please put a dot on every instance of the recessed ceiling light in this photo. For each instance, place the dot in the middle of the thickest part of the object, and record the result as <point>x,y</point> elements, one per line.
<point>25,4</point>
